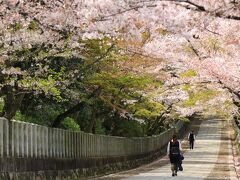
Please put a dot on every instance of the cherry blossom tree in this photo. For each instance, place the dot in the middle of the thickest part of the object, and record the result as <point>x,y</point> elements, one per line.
<point>176,41</point>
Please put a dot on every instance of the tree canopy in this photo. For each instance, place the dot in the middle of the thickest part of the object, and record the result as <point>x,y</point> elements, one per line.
<point>152,62</point>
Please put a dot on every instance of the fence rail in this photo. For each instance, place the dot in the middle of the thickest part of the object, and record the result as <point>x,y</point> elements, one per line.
<point>20,139</point>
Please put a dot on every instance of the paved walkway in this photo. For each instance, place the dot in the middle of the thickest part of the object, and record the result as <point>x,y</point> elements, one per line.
<point>210,159</point>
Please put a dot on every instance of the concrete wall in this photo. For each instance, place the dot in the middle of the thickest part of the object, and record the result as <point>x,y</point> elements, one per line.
<point>32,149</point>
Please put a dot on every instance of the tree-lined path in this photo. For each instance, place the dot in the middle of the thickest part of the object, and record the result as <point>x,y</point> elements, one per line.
<point>90,88</point>
<point>210,159</point>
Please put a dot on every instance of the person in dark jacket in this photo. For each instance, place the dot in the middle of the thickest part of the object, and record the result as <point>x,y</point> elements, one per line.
<point>191,139</point>
<point>174,150</point>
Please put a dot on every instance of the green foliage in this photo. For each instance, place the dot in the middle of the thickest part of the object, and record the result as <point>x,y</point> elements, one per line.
<point>133,129</point>
<point>202,96</point>
<point>145,36</point>
<point>31,119</point>
<point>214,44</point>
<point>187,48</point>
<point>184,119</point>
<point>39,113</point>
<point>190,102</point>
<point>99,127</point>
<point>189,73</point>
<point>146,109</point>
<point>119,88</point>
<point>116,82</point>
<point>186,87</point>
<point>48,86</point>
<point>33,26</point>
<point>42,54</point>
<point>144,113</point>
<point>22,54</point>
<point>1,104</point>
<point>44,74</point>
<point>70,124</point>
<point>47,116</point>
<point>109,125</point>
<point>1,48</point>
<point>228,103</point>
<point>126,128</point>
<point>95,48</point>
<point>16,27</point>
<point>163,31</point>
<point>83,117</point>
<point>125,87</point>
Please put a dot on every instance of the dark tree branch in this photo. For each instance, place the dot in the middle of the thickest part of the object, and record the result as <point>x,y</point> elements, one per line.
<point>237,94</point>
<point>212,31</point>
<point>105,18</point>
<point>75,108</point>
<point>215,13</point>
<point>232,17</point>
<point>194,49</point>
<point>200,8</point>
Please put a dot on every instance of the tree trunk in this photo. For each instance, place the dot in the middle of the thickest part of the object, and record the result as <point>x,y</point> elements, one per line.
<point>232,91</point>
<point>92,124</point>
<point>12,102</point>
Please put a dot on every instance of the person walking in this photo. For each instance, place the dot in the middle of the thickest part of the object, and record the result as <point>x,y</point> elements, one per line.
<point>173,151</point>
<point>191,139</point>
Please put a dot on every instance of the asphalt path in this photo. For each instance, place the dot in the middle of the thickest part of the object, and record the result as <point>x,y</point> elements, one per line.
<point>211,158</point>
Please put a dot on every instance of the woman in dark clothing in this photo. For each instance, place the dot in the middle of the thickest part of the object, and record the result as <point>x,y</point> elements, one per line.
<point>173,151</point>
